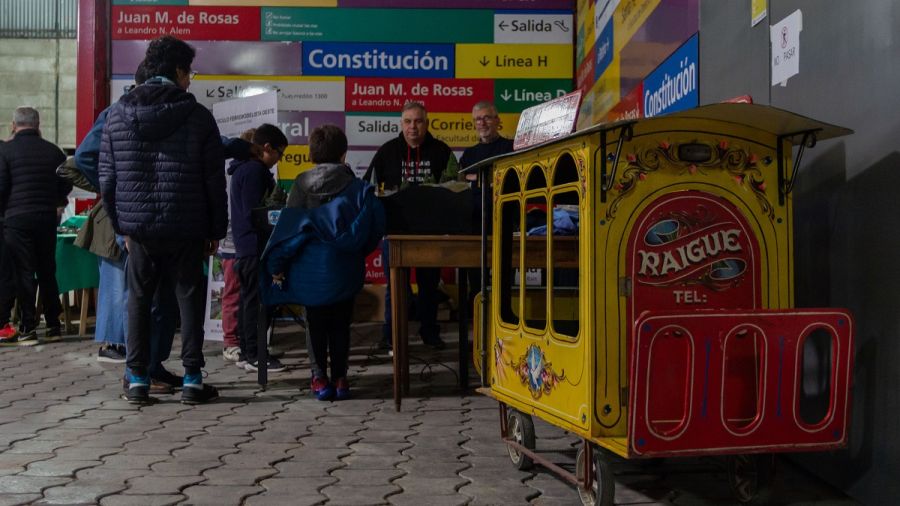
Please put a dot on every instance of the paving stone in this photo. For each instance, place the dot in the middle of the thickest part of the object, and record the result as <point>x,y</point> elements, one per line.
<point>408,499</point>
<point>18,484</point>
<point>36,446</point>
<point>313,441</point>
<point>80,494</point>
<point>374,461</point>
<point>227,475</point>
<point>307,486</point>
<point>17,499</point>
<point>11,463</point>
<point>160,485</point>
<point>420,469</point>
<point>366,477</point>
<point>218,495</point>
<point>300,469</point>
<point>107,474</point>
<point>358,495</point>
<point>200,454</point>
<point>321,455</point>
<point>380,448</point>
<point>144,447</point>
<point>56,467</point>
<point>127,460</point>
<point>266,499</point>
<point>141,500</point>
<point>253,460</point>
<point>84,453</point>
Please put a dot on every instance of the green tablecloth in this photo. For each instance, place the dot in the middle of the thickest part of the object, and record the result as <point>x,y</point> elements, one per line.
<point>76,268</point>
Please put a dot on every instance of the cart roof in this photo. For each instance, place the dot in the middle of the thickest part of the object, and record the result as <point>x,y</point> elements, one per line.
<point>765,118</point>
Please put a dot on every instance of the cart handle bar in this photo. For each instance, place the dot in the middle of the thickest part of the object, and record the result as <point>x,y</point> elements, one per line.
<point>626,132</point>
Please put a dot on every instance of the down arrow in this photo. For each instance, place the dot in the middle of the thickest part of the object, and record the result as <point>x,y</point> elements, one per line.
<point>484,61</point>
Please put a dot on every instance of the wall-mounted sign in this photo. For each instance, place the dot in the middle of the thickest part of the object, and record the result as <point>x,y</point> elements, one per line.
<point>458,129</point>
<point>365,25</point>
<point>537,28</point>
<point>378,60</point>
<point>295,160</point>
<point>514,95</point>
<point>188,23</point>
<point>585,77</point>
<point>390,94</point>
<point>604,49</point>
<point>603,13</point>
<point>630,107</point>
<point>629,17</point>
<point>674,85</point>
<point>514,60</point>
<point>785,37</point>
<point>220,57</point>
<point>462,4</point>
<point>294,93</point>
<point>371,130</point>
<point>297,125</point>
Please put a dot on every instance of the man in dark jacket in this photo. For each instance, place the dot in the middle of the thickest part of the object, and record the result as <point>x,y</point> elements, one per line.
<point>415,157</point>
<point>162,183</point>
<point>30,193</point>
<point>7,289</point>
<point>251,180</point>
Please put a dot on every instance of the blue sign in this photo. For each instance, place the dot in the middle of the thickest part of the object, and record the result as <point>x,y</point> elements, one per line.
<point>604,49</point>
<point>674,85</point>
<point>378,60</point>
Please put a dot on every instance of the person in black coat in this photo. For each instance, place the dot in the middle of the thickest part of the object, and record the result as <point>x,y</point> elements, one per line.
<point>7,289</point>
<point>163,185</point>
<point>30,193</point>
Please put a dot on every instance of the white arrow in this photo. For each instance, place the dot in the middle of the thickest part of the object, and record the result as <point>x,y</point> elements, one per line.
<point>506,96</point>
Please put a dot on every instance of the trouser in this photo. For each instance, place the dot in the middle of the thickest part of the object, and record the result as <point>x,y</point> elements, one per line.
<point>427,280</point>
<point>247,269</point>
<point>328,333</point>
<point>172,263</point>
<point>31,241</point>
<point>7,282</point>
<point>231,300</point>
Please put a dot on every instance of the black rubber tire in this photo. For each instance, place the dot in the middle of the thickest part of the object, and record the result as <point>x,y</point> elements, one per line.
<point>603,492</point>
<point>750,478</point>
<point>520,428</point>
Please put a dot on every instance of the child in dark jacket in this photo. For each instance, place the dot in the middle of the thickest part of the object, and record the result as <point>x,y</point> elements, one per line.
<point>251,180</point>
<point>317,254</point>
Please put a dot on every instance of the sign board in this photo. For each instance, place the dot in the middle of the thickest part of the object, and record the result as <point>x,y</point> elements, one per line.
<point>365,25</point>
<point>514,60</point>
<point>295,160</point>
<point>390,94</point>
<point>532,28</point>
<point>547,121</point>
<point>233,118</point>
<point>673,86</point>
<point>220,57</point>
<point>515,95</point>
<point>458,129</point>
<point>297,125</point>
<point>378,60</point>
<point>786,48</point>
<point>294,93</point>
<point>629,107</point>
<point>371,129</point>
<point>604,49</point>
<point>187,23</point>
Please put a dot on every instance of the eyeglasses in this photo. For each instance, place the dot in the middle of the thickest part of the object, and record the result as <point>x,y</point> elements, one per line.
<point>485,119</point>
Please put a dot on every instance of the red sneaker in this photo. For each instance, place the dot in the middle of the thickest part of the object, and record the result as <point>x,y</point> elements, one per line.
<point>321,388</point>
<point>341,389</point>
<point>8,333</point>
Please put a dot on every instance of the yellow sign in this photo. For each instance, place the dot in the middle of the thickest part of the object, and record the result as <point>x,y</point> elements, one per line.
<point>757,11</point>
<point>295,160</point>
<point>458,129</point>
<point>607,91</point>
<point>268,3</point>
<point>629,17</point>
<point>514,60</point>
<point>586,31</point>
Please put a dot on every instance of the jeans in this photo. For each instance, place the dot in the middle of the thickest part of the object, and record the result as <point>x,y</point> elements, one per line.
<point>31,241</point>
<point>247,270</point>
<point>153,264</point>
<point>328,330</point>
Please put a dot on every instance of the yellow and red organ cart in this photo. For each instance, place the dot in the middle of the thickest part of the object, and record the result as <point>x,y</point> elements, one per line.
<point>666,323</point>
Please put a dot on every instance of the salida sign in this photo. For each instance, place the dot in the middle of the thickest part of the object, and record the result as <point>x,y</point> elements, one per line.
<point>192,23</point>
<point>389,95</point>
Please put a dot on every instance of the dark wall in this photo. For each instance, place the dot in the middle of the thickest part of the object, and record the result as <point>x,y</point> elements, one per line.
<point>847,198</point>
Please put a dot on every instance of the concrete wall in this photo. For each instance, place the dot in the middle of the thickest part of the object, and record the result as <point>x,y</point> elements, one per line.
<point>846,202</point>
<point>40,73</point>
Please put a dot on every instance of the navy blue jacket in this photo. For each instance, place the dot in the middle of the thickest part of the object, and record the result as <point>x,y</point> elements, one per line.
<point>250,181</point>
<point>322,251</point>
<point>161,166</point>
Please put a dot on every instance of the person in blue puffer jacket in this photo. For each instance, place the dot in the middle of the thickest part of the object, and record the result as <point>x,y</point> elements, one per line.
<point>317,253</point>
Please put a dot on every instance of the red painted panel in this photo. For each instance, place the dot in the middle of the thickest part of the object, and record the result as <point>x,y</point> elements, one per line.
<point>438,95</point>
<point>92,91</point>
<point>691,249</point>
<point>187,23</point>
<point>745,392</point>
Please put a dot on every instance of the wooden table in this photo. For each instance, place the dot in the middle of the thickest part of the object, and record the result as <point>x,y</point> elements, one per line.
<point>459,251</point>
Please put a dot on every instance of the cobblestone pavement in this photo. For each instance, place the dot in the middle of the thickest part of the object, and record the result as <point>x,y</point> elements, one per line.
<point>67,438</point>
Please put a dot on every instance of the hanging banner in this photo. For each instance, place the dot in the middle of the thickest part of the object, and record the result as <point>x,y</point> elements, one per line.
<point>233,118</point>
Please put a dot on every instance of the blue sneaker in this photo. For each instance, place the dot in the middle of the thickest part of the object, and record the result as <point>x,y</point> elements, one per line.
<point>137,388</point>
<point>341,389</point>
<point>321,388</point>
<point>194,391</point>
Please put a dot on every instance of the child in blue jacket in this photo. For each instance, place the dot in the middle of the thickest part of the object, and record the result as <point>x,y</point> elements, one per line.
<point>316,255</point>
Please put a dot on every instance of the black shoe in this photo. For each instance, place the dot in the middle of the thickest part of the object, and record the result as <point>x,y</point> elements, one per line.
<point>164,376</point>
<point>198,394</point>
<point>137,388</point>
<point>434,342</point>
<point>272,365</point>
<point>111,353</point>
<point>53,334</point>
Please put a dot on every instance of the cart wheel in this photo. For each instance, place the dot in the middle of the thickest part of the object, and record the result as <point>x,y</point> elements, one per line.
<point>603,490</point>
<point>750,477</point>
<point>520,430</point>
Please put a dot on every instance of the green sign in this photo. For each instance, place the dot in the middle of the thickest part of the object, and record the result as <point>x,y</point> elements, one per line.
<point>377,25</point>
<point>150,2</point>
<point>514,95</point>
